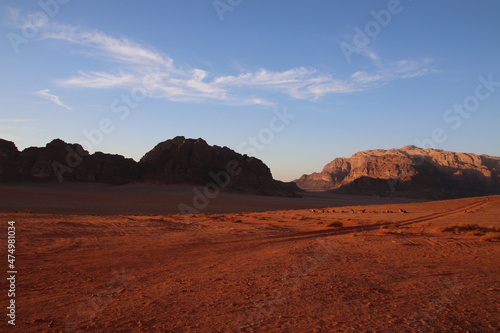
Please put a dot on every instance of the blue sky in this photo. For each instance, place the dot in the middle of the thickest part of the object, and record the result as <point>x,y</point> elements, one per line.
<point>294,83</point>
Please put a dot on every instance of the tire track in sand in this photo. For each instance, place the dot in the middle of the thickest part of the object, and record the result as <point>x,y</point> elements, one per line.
<point>354,229</point>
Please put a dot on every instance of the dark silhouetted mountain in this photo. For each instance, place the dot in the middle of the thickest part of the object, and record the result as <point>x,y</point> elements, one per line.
<point>8,158</point>
<point>176,161</point>
<point>59,160</point>
<point>182,160</point>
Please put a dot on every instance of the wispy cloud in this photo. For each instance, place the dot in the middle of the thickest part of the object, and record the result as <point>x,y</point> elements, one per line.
<point>117,49</point>
<point>139,65</point>
<point>52,98</point>
<point>99,80</point>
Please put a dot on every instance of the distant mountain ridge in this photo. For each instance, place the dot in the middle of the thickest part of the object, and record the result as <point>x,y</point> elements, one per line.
<point>62,161</point>
<point>406,172</point>
<point>175,161</point>
<point>409,172</point>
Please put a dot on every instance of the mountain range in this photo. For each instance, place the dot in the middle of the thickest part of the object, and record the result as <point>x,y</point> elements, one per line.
<point>408,172</point>
<point>175,161</point>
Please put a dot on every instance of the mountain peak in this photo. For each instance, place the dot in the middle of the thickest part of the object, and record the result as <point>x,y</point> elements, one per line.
<point>182,160</point>
<point>429,171</point>
<point>175,161</point>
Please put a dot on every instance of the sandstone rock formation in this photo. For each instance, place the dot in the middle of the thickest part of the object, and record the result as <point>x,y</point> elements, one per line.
<point>182,160</point>
<point>8,156</point>
<point>176,161</point>
<point>410,172</point>
<point>61,161</point>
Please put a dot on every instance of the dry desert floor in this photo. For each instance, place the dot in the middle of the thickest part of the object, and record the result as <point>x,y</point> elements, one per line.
<point>338,267</point>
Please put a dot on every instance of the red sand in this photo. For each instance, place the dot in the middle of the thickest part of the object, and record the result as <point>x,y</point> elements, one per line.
<point>82,198</point>
<point>272,271</point>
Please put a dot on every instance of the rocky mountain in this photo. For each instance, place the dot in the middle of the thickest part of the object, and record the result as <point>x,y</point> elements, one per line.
<point>8,156</point>
<point>409,172</point>
<point>59,160</point>
<point>182,160</point>
<point>175,161</point>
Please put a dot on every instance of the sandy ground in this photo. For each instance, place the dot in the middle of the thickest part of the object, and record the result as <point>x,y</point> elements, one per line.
<point>274,271</point>
<point>85,198</point>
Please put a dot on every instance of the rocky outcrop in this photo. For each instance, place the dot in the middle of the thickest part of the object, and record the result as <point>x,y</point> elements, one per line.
<point>182,160</point>
<point>110,169</point>
<point>175,161</point>
<point>61,161</point>
<point>8,157</point>
<point>410,172</point>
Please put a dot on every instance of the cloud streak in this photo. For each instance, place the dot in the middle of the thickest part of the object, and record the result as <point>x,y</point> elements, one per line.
<point>52,98</point>
<point>136,63</point>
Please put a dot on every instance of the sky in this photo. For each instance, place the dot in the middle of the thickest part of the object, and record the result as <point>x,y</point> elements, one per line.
<point>294,83</point>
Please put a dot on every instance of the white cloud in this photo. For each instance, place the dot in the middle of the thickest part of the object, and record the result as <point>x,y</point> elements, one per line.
<point>118,49</point>
<point>98,80</point>
<point>52,98</point>
<point>364,77</point>
<point>142,66</point>
<point>370,54</point>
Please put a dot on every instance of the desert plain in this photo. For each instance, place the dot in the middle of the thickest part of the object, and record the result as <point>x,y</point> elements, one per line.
<point>94,258</point>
